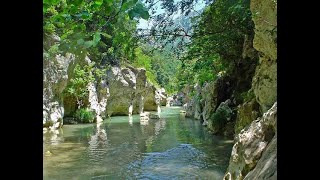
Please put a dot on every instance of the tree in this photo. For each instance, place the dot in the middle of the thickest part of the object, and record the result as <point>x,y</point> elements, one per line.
<point>93,26</point>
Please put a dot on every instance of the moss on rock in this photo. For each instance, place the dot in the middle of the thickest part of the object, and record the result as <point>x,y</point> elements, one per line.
<point>246,113</point>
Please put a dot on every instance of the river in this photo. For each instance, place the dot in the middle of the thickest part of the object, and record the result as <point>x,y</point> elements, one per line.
<point>172,147</point>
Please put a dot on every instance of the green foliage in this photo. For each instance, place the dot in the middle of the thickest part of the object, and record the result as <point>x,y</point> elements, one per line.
<point>165,64</point>
<point>248,95</point>
<point>221,116</point>
<point>83,115</point>
<point>160,67</point>
<point>220,31</point>
<point>143,60</point>
<point>245,96</point>
<point>217,41</point>
<point>77,87</point>
<point>139,11</point>
<point>94,26</point>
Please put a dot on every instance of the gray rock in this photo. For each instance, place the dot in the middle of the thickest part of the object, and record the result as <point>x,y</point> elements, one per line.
<point>264,82</point>
<point>220,118</point>
<point>122,86</point>
<point>129,87</point>
<point>163,96</point>
<point>209,94</point>
<point>266,167</point>
<point>55,78</point>
<point>249,145</point>
<point>246,113</point>
<point>197,103</point>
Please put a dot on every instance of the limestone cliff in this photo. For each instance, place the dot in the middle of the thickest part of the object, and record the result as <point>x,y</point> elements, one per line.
<point>55,78</point>
<point>265,41</point>
<point>120,91</point>
<point>252,146</point>
<point>129,87</point>
<point>254,154</point>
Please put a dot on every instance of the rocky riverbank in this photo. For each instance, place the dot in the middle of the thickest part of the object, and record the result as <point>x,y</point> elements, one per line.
<point>120,90</point>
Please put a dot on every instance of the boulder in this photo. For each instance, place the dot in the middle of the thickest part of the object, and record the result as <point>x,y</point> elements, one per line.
<point>145,116</point>
<point>122,86</point>
<point>129,90</point>
<point>151,99</point>
<point>98,99</point>
<point>169,101</point>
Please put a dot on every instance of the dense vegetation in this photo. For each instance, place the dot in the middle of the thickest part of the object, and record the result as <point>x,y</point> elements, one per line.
<point>217,42</point>
<point>102,29</point>
<point>207,54</point>
<point>182,46</point>
<point>161,66</point>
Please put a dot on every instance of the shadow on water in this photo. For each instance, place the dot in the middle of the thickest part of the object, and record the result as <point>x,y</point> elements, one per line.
<point>123,147</point>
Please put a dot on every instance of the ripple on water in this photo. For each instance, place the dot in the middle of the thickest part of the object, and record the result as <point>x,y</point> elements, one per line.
<point>182,161</point>
<point>166,148</point>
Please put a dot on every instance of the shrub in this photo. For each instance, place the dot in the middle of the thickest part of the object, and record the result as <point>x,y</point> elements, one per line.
<point>220,117</point>
<point>84,115</point>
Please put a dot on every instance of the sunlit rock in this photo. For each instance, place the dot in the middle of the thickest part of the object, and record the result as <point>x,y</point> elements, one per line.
<point>250,145</point>
<point>130,92</point>
<point>264,82</point>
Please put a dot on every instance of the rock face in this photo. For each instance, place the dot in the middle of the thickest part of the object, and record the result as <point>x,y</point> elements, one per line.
<point>128,87</point>
<point>254,154</point>
<point>96,101</point>
<point>206,99</point>
<point>151,98</point>
<point>251,147</point>
<point>55,78</point>
<point>218,120</point>
<point>266,167</point>
<point>188,105</point>
<point>163,96</point>
<point>122,88</point>
<point>264,82</point>
<point>98,96</point>
<point>247,112</point>
<point>197,103</point>
<point>209,95</point>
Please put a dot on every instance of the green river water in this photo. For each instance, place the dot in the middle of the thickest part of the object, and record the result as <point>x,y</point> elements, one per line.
<point>172,147</point>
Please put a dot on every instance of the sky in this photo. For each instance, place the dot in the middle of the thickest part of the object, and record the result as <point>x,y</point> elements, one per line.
<point>143,24</point>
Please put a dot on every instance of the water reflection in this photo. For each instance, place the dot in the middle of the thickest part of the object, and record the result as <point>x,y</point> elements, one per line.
<point>165,148</point>
<point>130,121</point>
<point>53,137</point>
<point>97,144</point>
<point>144,122</point>
<point>159,125</point>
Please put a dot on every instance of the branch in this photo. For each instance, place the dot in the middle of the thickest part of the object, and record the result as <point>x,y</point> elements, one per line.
<point>166,34</point>
<point>112,17</point>
<point>154,3</point>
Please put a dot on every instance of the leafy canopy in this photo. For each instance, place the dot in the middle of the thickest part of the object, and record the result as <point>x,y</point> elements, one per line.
<point>94,26</point>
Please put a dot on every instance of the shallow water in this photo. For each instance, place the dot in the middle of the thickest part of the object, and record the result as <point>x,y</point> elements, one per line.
<point>172,147</point>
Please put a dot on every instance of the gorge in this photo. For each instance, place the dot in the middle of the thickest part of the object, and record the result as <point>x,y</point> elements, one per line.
<point>194,96</point>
